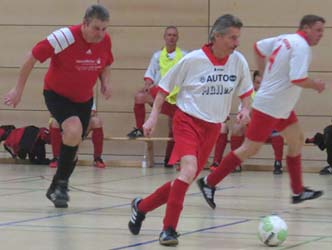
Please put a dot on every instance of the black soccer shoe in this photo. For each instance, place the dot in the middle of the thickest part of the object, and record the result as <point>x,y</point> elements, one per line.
<point>207,191</point>
<point>307,194</point>
<point>57,193</point>
<point>136,217</point>
<point>168,237</point>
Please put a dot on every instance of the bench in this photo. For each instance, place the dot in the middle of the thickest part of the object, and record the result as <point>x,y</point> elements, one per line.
<point>148,150</point>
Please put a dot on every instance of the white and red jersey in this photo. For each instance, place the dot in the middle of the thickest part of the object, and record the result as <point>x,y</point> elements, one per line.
<point>75,64</point>
<point>153,70</point>
<point>288,60</point>
<point>207,84</point>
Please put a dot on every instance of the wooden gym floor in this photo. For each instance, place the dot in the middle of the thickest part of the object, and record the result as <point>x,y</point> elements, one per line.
<point>99,211</point>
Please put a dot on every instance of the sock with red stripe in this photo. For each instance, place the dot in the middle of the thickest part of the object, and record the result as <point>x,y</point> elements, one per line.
<point>156,199</point>
<point>97,140</point>
<point>278,147</point>
<point>139,110</point>
<point>56,139</point>
<point>175,204</point>
<point>227,165</point>
<point>295,173</point>
<point>236,141</point>
<point>220,147</point>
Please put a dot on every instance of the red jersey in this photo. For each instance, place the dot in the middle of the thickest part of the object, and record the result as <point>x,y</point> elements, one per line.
<point>75,64</point>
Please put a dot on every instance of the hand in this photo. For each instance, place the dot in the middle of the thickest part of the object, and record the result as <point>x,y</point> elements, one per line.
<point>319,86</point>
<point>243,117</point>
<point>12,98</point>
<point>105,89</point>
<point>149,126</point>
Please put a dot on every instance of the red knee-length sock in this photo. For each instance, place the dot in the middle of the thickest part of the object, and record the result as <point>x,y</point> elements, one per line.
<point>220,147</point>
<point>98,140</point>
<point>175,204</point>
<point>139,110</point>
<point>236,141</point>
<point>278,147</point>
<point>156,199</point>
<point>56,139</point>
<point>227,165</point>
<point>295,173</point>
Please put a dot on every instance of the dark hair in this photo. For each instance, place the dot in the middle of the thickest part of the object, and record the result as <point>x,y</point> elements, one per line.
<point>96,11</point>
<point>255,74</point>
<point>310,20</point>
<point>223,23</point>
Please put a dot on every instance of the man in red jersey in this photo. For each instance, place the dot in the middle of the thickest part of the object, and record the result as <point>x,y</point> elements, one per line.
<point>79,55</point>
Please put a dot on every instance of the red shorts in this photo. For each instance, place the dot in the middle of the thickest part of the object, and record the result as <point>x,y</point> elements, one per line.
<point>261,125</point>
<point>167,108</point>
<point>193,136</point>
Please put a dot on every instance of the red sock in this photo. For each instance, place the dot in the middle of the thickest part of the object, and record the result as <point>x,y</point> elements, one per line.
<point>278,147</point>
<point>139,110</point>
<point>175,204</point>
<point>156,199</point>
<point>56,139</point>
<point>295,173</point>
<point>220,147</point>
<point>236,141</point>
<point>227,165</point>
<point>98,140</point>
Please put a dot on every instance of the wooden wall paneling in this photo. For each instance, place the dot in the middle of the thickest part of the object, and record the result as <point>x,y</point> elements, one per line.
<point>134,46</point>
<point>32,98</point>
<point>157,12</point>
<point>43,12</point>
<point>270,13</point>
<point>24,118</point>
<point>17,42</point>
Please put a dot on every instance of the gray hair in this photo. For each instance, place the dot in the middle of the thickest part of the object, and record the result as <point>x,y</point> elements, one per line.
<point>223,23</point>
<point>96,11</point>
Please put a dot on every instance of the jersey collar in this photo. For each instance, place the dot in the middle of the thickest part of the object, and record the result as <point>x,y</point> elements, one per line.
<point>303,34</point>
<point>215,61</point>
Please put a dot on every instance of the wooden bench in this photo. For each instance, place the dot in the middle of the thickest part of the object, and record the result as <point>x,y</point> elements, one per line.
<point>148,150</point>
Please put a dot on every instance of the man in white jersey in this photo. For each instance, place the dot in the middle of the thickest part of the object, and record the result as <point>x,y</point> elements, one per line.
<point>161,61</point>
<point>286,60</point>
<point>207,78</point>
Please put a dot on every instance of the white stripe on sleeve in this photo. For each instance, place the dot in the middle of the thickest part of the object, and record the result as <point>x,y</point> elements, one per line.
<point>61,39</point>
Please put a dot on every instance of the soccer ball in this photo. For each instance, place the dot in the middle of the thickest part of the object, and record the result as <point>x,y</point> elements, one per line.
<point>272,230</point>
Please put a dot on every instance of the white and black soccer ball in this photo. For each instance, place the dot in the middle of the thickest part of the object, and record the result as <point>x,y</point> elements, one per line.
<point>272,230</point>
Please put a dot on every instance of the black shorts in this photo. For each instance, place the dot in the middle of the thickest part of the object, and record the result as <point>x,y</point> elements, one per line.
<point>62,108</point>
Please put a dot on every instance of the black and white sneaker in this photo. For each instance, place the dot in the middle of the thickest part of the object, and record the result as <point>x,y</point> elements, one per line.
<point>207,191</point>
<point>169,237</point>
<point>307,194</point>
<point>58,193</point>
<point>135,133</point>
<point>326,170</point>
<point>277,168</point>
<point>136,218</point>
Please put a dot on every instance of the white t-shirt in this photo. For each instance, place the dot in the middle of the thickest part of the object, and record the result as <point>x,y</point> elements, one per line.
<point>207,85</point>
<point>289,57</point>
<point>153,71</point>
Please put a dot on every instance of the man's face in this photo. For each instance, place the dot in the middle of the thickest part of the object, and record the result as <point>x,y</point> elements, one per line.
<point>95,30</point>
<point>314,33</point>
<point>229,41</point>
<point>257,82</point>
<point>171,37</point>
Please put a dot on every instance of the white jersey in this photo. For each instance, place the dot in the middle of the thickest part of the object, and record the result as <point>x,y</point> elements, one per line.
<point>288,61</point>
<point>153,71</point>
<point>207,85</point>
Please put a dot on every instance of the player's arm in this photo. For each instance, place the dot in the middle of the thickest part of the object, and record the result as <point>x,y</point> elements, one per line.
<point>309,83</point>
<point>150,124</point>
<point>105,86</point>
<point>13,97</point>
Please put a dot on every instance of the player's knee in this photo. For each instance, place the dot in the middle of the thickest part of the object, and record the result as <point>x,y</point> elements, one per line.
<point>188,171</point>
<point>140,98</point>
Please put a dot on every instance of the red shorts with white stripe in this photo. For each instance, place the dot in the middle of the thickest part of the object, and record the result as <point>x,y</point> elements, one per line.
<point>193,136</point>
<point>261,125</point>
<point>167,108</point>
